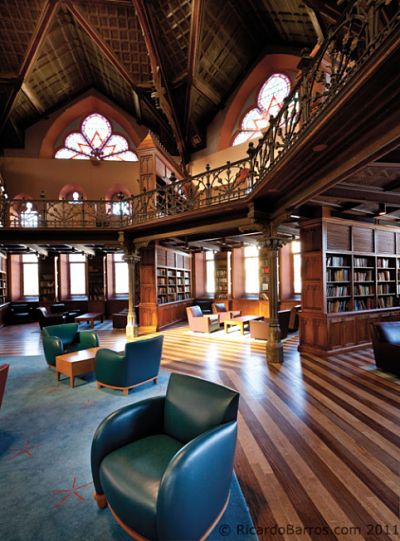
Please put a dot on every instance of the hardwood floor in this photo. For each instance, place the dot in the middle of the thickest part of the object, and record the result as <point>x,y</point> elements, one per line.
<point>318,451</point>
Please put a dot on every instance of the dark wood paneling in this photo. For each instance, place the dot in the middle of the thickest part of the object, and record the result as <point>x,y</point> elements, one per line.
<point>338,237</point>
<point>385,242</point>
<point>363,239</point>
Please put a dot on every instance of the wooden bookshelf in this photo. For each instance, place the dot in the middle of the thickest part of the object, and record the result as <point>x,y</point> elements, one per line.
<point>351,277</point>
<point>222,275</point>
<point>96,278</point>
<point>48,279</point>
<point>165,287</point>
<point>264,274</point>
<point>3,279</point>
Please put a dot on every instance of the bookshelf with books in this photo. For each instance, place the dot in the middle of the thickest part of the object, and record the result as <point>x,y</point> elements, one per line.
<point>222,275</point>
<point>264,274</point>
<point>165,287</point>
<point>48,279</point>
<point>96,278</point>
<point>3,279</point>
<point>351,277</point>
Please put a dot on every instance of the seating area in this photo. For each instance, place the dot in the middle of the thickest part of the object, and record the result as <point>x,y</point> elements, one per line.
<point>199,270</point>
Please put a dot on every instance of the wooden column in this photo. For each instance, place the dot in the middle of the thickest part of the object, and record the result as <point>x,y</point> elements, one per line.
<point>131,257</point>
<point>274,344</point>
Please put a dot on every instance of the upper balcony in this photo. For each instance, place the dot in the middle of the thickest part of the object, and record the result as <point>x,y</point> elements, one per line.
<point>315,127</point>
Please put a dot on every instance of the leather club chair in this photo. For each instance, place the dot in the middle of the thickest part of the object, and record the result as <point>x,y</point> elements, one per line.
<point>220,309</point>
<point>65,338</point>
<point>198,322</point>
<point>386,345</point>
<point>259,329</point>
<point>139,364</point>
<point>45,319</point>
<point>164,465</point>
<point>3,379</point>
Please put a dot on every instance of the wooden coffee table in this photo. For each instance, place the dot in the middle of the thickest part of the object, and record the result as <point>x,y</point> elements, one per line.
<point>90,317</point>
<point>76,363</point>
<point>240,322</point>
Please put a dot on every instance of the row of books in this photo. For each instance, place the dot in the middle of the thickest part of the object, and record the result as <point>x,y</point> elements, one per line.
<point>337,306</point>
<point>363,276</point>
<point>336,261</point>
<point>384,262</point>
<point>384,288</point>
<point>337,275</point>
<point>385,302</point>
<point>363,290</point>
<point>364,304</point>
<point>384,275</point>
<point>362,262</point>
<point>335,291</point>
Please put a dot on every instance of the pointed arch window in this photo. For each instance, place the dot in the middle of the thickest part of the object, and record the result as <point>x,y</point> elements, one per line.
<point>96,141</point>
<point>269,102</point>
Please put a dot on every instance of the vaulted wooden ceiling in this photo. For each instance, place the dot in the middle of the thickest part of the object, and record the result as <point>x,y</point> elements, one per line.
<point>170,63</point>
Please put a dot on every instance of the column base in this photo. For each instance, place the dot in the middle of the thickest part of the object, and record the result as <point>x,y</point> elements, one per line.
<point>274,352</point>
<point>132,332</point>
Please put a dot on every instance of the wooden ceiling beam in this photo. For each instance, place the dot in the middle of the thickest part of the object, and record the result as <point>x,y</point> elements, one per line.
<point>114,61</point>
<point>159,75</point>
<point>362,195</point>
<point>193,56</point>
<point>26,89</point>
<point>47,15</point>
<point>327,9</point>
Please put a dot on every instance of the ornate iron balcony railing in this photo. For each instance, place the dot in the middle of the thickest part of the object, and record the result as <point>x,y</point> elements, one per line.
<point>360,32</point>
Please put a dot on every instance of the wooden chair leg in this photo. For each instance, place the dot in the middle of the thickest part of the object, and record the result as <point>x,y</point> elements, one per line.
<point>125,392</point>
<point>98,385</point>
<point>155,380</point>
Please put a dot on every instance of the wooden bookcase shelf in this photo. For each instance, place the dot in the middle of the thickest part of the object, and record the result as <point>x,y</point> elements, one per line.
<point>173,285</point>
<point>48,279</point>
<point>351,277</point>
<point>165,287</point>
<point>222,275</point>
<point>3,279</point>
<point>96,278</point>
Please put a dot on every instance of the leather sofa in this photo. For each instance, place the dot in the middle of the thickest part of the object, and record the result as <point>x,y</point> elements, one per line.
<point>259,329</point>
<point>386,345</point>
<point>139,364</point>
<point>45,319</point>
<point>60,308</point>
<point>198,322</point>
<point>3,379</point>
<point>205,305</point>
<point>19,313</point>
<point>164,465</point>
<point>224,314</point>
<point>65,338</point>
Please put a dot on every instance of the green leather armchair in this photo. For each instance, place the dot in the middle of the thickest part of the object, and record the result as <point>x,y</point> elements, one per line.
<point>139,364</point>
<point>59,339</point>
<point>164,465</point>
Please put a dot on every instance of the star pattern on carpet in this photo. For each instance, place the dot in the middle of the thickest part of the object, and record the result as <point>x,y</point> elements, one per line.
<point>68,492</point>
<point>25,450</point>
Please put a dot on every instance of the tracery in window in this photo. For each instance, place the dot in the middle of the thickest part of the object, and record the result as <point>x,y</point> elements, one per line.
<point>269,102</point>
<point>97,142</point>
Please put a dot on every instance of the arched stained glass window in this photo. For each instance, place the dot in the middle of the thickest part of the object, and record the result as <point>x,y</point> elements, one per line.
<point>269,102</point>
<point>96,141</point>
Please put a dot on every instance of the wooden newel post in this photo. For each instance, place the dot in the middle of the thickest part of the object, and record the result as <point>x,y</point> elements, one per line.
<point>274,344</point>
<point>131,257</point>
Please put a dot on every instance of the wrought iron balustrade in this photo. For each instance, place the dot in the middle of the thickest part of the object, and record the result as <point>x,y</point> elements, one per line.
<point>359,33</point>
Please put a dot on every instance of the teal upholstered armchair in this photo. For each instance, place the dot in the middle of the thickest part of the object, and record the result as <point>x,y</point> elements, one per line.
<point>164,465</point>
<point>59,339</point>
<point>139,364</point>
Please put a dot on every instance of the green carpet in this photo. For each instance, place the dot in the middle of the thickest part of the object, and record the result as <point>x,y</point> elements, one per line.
<point>46,431</point>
